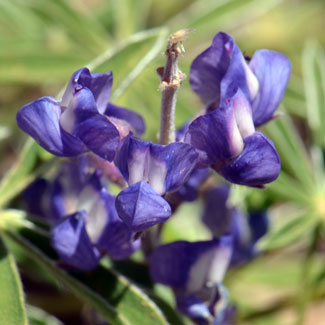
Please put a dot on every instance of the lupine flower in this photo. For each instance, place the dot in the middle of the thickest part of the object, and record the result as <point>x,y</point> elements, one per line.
<point>86,223</point>
<point>219,71</point>
<point>195,271</point>
<point>71,241</point>
<point>221,219</point>
<point>227,141</point>
<point>83,119</point>
<point>150,171</point>
<point>239,97</point>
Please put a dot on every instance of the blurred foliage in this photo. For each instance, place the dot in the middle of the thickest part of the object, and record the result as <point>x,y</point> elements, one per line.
<point>44,41</point>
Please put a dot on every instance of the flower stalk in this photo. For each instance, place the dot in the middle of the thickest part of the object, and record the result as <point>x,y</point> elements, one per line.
<point>171,79</point>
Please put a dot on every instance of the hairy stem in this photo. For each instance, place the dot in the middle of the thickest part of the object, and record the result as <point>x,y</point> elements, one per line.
<point>171,79</point>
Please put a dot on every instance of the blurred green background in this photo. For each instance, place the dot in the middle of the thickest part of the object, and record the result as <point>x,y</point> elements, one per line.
<point>42,42</point>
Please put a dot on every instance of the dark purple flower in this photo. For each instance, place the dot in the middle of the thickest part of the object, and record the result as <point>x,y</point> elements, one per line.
<point>227,141</point>
<point>85,210</point>
<point>140,207</point>
<point>116,239</point>
<point>82,119</point>
<point>195,272</point>
<point>191,265</point>
<point>219,312</point>
<point>219,71</point>
<point>218,213</point>
<point>238,98</point>
<point>221,218</point>
<point>72,243</point>
<point>246,231</point>
<point>34,195</point>
<point>150,170</point>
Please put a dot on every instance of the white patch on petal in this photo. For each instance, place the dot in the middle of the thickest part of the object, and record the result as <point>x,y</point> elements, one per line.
<point>220,260</point>
<point>243,115</point>
<point>138,166</point>
<point>68,116</point>
<point>67,120</point>
<point>236,142</point>
<point>90,201</point>
<point>157,175</point>
<point>252,81</point>
<point>68,94</point>
<point>199,272</point>
<point>244,229</point>
<point>209,268</point>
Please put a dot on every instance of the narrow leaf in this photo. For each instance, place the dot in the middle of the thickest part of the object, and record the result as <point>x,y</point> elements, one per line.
<point>292,231</point>
<point>12,310</point>
<point>37,316</point>
<point>288,143</point>
<point>313,65</point>
<point>79,289</point>
<point>130,300</point>
<point>18,176</point>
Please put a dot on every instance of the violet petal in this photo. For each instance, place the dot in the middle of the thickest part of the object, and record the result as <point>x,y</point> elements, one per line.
<point>190,265</point>
<point>133,118</point>
<point>209,68</point>
<point>179,160</point>
<point>217,215</point>
<point>215,136</point>
<point>272,70</point>
<point>117,238</point>
<point>258,164</point>
<point>101,86</point>
<point>70,240</point>
<point>99,135</point>
<point>41,120</point>
<point>140,207</point>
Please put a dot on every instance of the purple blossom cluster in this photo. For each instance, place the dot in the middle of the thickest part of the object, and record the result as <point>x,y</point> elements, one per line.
<point>103,145</point>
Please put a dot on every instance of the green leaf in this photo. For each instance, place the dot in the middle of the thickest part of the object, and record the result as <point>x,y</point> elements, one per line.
<point>142,63</point>
<point>109,292</point>
<point>80,27</point>
<point>134,53</point>
<point>129,16</point>
<point>12,309</point>
<point>291,149</point>
<point>285,187</point>
<point>23,172</point>
<point>19,175</point>
<point>219,14</point>
<point>290,232</point>
<point>313,66</point>
<point>82,291</point>
<point>37,316</point>
<point>127,298</point>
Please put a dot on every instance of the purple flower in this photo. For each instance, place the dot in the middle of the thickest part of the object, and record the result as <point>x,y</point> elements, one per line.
<point>219,71</point>
<point>195,272</point>
<point>221,219</point>
<point>239,97</point>
<point>150,170</point>
<point>82,119</point>
<point>72,243</point>
<point>227,141</point>
<point>86,223</point>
